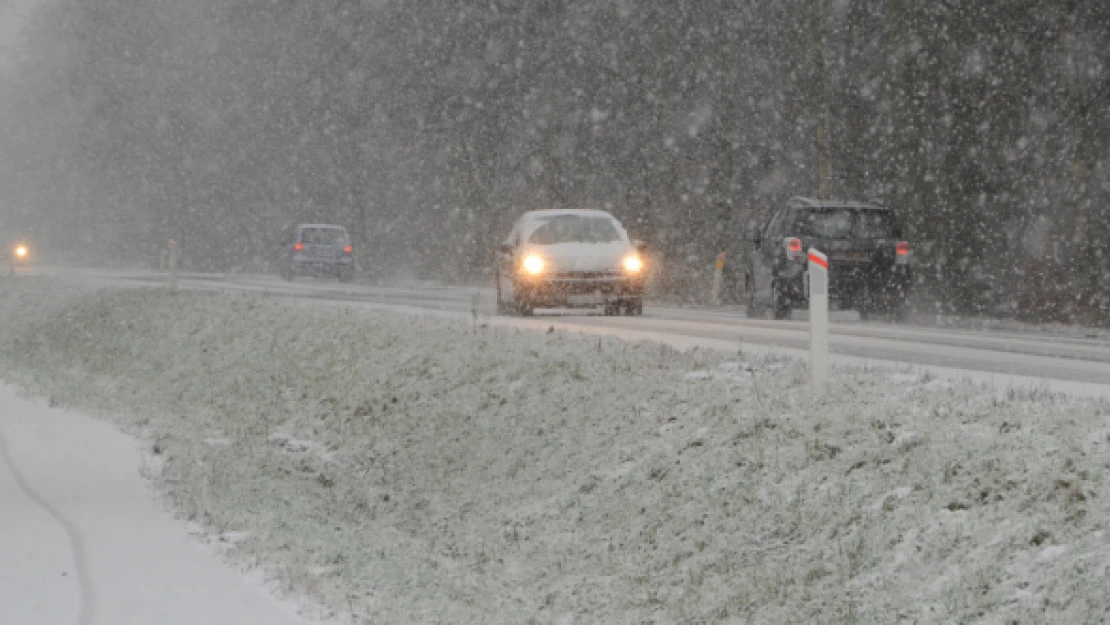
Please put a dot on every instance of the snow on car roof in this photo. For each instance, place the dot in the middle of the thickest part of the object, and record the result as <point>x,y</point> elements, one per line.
<point>531,220</point>
<point>805,202</point>
<point>555,212</point>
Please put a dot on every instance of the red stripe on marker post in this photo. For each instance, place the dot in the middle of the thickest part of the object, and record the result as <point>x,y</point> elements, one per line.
<point>817,260</point>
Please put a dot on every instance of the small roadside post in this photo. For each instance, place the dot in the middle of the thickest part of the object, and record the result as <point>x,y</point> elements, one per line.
<point>818,320</point>
<point>715,296</point>
<point>173,266</point>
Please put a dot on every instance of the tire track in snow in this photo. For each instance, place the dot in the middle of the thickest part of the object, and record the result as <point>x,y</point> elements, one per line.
<point>86,601</point>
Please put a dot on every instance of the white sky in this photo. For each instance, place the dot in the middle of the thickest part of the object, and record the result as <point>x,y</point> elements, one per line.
<point>11,20</point>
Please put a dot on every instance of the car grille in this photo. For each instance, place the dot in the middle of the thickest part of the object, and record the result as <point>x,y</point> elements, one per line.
<point>586,275</point>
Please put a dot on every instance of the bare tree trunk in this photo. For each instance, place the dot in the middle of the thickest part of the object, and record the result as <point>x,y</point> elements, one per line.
<point>817,44</point>
<point>1079,196</point>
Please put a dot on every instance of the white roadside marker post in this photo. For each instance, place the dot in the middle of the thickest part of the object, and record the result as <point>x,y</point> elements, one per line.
<point>715,296</point>
<point>818,320</point>
<point>173,267</point>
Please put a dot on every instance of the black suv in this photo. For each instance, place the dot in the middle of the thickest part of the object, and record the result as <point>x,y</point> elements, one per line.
<point>869,263</point>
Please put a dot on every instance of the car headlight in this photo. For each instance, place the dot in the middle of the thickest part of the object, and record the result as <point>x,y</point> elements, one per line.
<point>533,264</point>
<point>633,264</point>
<point>21,251</point>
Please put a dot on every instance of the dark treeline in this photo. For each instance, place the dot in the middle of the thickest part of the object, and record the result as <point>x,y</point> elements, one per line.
<point>426,127</point>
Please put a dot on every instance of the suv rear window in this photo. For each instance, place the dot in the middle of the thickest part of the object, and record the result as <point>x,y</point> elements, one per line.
<point>843,223</point>
<point>323,236</point>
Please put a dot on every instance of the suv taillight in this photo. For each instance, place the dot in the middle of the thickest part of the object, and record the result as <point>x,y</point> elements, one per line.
<point>794,249</point>
<point>298,247</point>
<point>348,249</point>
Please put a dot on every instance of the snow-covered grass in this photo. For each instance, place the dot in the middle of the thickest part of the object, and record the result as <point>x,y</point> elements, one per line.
<point>416,470</point>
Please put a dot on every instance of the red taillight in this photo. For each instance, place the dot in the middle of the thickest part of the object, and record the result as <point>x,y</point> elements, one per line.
<point>348,249</point>
<point>794,245</point>
<point>903,248</point>
<point>298,246</point>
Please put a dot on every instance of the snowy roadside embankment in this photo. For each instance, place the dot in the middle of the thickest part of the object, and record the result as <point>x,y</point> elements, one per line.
<point>415,470</point>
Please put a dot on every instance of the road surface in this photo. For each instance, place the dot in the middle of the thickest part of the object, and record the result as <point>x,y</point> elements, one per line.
<point>1068,363</point>
<point>83,541</point>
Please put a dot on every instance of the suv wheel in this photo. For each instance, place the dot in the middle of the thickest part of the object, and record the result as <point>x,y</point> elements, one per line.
<point>780,306</point>
<point>899,311</point>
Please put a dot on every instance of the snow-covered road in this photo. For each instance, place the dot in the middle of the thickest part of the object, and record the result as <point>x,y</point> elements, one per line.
<point>83,541</point>
<point>1068,363</point>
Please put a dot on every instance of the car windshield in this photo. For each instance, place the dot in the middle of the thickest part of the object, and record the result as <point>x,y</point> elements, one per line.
<point>323,236</point>
<point>575,229</point>
<point>844,223</point>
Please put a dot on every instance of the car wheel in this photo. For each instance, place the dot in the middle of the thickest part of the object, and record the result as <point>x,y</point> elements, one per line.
<point>346,275</point>
<point>780,306</point>
<point>634,308</point>
<point>752,309</point>
<point>523,307</point>
<point>503,309</point>
<point>612,310</point>
<point>286,273</point>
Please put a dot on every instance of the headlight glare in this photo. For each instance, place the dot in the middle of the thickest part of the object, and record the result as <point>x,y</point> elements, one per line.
<point>533,264</point>
<point>633,264</point>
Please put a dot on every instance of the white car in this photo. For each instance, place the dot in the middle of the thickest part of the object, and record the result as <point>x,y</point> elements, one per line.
<point>570,259</point>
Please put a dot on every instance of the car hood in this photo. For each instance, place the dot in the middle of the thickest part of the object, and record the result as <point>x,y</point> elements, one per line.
<point>563,257</point>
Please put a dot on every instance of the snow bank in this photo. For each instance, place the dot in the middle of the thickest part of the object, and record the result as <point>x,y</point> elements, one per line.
<point>414,470</point>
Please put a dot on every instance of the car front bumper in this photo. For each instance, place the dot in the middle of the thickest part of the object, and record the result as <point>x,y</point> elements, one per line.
<point>579,290</point>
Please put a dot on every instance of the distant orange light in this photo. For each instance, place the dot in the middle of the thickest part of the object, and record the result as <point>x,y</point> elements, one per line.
<point>299,247</point>
<point>348,249</point>
<point>903,248</point>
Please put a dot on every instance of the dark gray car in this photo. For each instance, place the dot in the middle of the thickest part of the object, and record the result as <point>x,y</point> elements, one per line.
<point>320,250</point>
<point>869,263</point>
